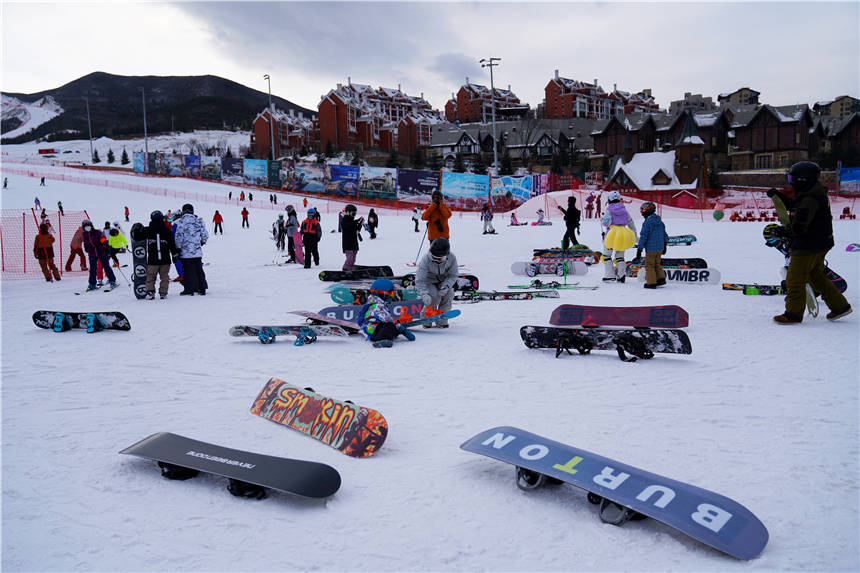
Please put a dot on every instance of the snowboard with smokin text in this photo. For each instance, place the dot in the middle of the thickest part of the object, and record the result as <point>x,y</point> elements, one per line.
<point>668,316</point>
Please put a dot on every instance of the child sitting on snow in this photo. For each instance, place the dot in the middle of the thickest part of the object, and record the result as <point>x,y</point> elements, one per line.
<point>376,321</point>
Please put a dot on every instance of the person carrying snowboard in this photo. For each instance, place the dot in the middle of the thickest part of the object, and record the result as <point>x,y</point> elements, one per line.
<point>311,235</point>
<point>619,235</point>
<point>95,244</point>
<point>43,250</point>
<point>376,321</point>
<point>292,229</point>
<point>190,237</point>
<point>349,236</point>
<point>487,218</point>
<point>437,215</point>
<point>218,219</point>
<point>653,240</point>
<point>571,221</point>
<point>160,252</point>
<point>435,278</point>
<point>810,233</point>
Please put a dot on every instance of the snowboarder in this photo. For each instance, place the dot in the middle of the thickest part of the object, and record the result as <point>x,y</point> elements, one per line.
<point>653,240</point>
<point>292,229</point>
<point>218,220</point>
<point>311,235</point>
<point>514,221</point>
<point>126,213</point>
<point>571,221</point>
<point>229,195</point>
<point>540,215</point>
<point>250,196</point>
<point>416,216</point>
<point>95,244</point>
<point>437,215</point>
<point>190,237</point>
<point>597,207</point>
<point>245,222</point>
<point>619,235</point>
<point>487,218</point>
<point>372,223</point>
<point>160,251</point>
<point>437,272</point>
<point>349,236</point>
<point>60,207</point>
<point>75,248</point>
<point>43,250</point>
<point>5,182</point>
<point>811,235</point>
<point>376,321</point>
<point>241,196</point>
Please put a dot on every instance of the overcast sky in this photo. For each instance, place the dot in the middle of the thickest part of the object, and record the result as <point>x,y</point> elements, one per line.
<point>792,52</point>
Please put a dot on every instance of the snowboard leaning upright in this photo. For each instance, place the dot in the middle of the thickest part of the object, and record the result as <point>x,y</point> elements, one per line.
<point>138,259</point>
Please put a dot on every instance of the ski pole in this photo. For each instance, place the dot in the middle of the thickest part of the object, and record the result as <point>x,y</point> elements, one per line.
<point>421,246</point>
<point>123,276</point>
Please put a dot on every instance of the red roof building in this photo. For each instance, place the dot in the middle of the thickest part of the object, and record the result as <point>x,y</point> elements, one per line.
<point>565,98</point>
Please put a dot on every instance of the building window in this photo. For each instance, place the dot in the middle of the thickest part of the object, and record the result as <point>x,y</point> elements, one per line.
<point>763,161</point>
<point>783,160</point>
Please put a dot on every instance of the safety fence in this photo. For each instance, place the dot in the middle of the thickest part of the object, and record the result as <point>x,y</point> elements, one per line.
<point>18,230</point>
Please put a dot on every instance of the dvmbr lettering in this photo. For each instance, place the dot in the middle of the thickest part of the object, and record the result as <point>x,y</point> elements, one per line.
<point>688,275</point>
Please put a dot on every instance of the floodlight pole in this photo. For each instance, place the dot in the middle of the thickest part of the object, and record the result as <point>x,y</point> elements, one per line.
<point>90,127</point>
<point>271,116</point>
<point>490,63</point>
<point>145,138</point>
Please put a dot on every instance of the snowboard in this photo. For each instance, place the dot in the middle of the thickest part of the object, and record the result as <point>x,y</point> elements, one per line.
<point>764,290</point>
<point>351,312</point>
<point>61,321</point>
<point>687,263</point>
<point>555,285</point>
<point>299,247</point>
<point>431,319</point>
<point>641,343</point>
<point>353,295</point>
<point>624,491</point>
<point>853,248</point>
<point>304,333</point>
<point>681,240</point>
<point>479,295</point>
<point>360,272</point>
<point>463,282</point>
<point>669,316</point>
<point>354,430</point>
<point>690,276</point>
<point>319,318</point>
<point>138,260</point>
<point>533,268</point>
<point>556,255</point>
<point>175,453</point>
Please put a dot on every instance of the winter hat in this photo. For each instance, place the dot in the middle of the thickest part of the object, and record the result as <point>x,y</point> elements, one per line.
<point>614,196</point>
<point>571,200</point>
<point>439,249</point>
<point>280,215</point>
<point>114,232</point>
<point>86,222</point>
<point>188,208</point>
<point>43,228</point>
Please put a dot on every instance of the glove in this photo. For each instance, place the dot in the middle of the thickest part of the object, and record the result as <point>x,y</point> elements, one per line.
<point>444,292</point>
<point>427,300</point>
<point>771,192</point>
<point>638,253</point>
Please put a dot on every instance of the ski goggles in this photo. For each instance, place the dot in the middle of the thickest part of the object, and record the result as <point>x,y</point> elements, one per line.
<point>438,260</point>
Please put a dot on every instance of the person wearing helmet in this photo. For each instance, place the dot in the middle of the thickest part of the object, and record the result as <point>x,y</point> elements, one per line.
<point>160,252</point>
<point>95,244</point>
<point>279,232</point>
<point>618,236</point>
<point>571,222</point>
<point>291,230</point>
<point>311,235</point>
<point>190,237</point>
<point>117,243</point>
<point>810,233</point>
<point>375,319</point>
<point>218,219</point>
<point>435,279</point>
<point>372,223</point>
<point>349,236</point>
<point>437,215</point>
<point>487,218</point>
<point>653,240</point>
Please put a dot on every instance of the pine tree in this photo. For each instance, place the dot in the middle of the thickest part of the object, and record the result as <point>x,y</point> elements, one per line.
<point>479,166</point>
<point>124,159</point>
<point>110,157</point>
<point>459,165</point>
<point>418,158</point>
<point>356,158</point>
<point>555,167</point>
<point>96,158</point>
<point>392,159</point>
<point>228,153</point>
<point>435,162</point>
<point>506,166</point>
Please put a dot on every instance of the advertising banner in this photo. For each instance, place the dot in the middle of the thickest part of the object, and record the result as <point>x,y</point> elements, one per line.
<point>192,166</point>
<point>171,165</point>
<point>849,180</point>
<point>150,162</point>
<point>210,167</point>
<point>465,190</point>
<point>377,182</point>
<point>416,186</point>
<point>510,192</point>
<point>231,169</point>
<point>308,177</point>
<point>273,176</point>
<point>255,171</point>
<point>342,180</point>
<point>540,184</point>
<point>139,161</point>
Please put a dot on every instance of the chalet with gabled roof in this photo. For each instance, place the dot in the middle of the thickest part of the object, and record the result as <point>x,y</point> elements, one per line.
<point>567,98</point>
<point>771,137</point>
<point>474,104</point>
<point>291,131</point>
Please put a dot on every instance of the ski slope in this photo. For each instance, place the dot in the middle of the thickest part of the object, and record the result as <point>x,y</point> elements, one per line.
<point>764,414</point>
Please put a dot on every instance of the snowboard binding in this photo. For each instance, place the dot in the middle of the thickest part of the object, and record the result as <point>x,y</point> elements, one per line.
<point>94,323</point>
<point>62,322</point>
<point>244,489</point>
<point>305,336</point>
<point>172,471</point>
<point>635,346</point>
<point>266,336</point>
<point>572,340</point>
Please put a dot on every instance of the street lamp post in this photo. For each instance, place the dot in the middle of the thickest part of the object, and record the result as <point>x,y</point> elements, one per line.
<point>490,63</point>
<point>271,116</point>
<point>145,138</point>
<point>90,127</point>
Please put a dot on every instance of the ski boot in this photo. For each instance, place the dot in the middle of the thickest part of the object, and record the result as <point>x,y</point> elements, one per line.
<point>405,332</point>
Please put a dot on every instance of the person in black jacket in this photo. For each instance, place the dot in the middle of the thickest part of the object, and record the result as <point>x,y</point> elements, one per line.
<point>372,223</point>
<point>811,234</point>
<point>160,252</point>
<point>349,236</point>
<point>571,221</point>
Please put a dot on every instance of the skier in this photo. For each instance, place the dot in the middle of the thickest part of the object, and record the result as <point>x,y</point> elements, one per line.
<point>126,213</point>
<point>160,250</point>
<point>190,237</point>
<point>229,195</point>
<point>376,321</point>
<point>5,182</point>
<point>437,215</point>
<point>43,250</point>
<point>571,221</point>
<point>372,223</point>
<point>42,182</point>
<point>811,234</point>
<point>117,243</point>
<point>241,196</point>
<point>292,229</point>
<point>245,214</point>
<point>95,244</point>
<point>416,216</point>
<point>60,207</point>
<point>311,235</point>
<point>218,220</point>
<point>435,279</point>
<point>75,248</point>
<point>38,203</point>
<point>487,218</point>
<point>280,229</point>
<point>619,235</point>
<point>653,240</point>
<point>597,207</point>
<point>250,196</point>
<point>349,236</point>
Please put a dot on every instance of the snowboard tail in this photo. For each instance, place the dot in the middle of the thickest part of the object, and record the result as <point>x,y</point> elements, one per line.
<point>624,491</point>
<point>304,478</point>
<point>354,430</point>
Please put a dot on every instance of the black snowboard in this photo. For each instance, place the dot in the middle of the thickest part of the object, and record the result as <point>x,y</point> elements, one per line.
<point>641,343</point>
<point>693,263</point>
<point>360,272</point>
<point>176,453</point>
<point>138,258</point>
<point>109,320</point>
<point>464,282</point>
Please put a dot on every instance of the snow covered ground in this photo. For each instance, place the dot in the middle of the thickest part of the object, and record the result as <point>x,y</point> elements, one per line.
<point>761,413</point>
